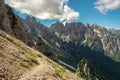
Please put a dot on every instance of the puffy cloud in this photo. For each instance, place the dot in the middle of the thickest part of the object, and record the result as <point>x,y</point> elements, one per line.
<point>107,5</point>
<point>45,9</point>
<point>69,14</point>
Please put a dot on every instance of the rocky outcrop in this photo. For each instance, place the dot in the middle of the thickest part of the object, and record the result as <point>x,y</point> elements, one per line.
<point>110,40</point>
<point>4,19</point>
<point>87,71</point>
<point>12,24</point>
<point>35,28</point>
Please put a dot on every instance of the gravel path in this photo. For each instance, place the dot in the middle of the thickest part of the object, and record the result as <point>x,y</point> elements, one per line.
<point>43,71</point>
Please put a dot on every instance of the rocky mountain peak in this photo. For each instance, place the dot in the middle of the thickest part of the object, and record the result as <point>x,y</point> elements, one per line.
<point>74,24</point>
<point>94,25</point>
<point>31,19</point>
<point>87,25</point>
<point>57,25</point>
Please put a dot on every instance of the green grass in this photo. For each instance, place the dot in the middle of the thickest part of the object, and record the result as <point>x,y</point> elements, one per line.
<point>39,55</point>
<point>58,73</point>
<point>32,58</point>
<point>3,39</point>
<point>21,47</point>
<point>59,70</point>
<point>25,64</point>
<point>29,55</point>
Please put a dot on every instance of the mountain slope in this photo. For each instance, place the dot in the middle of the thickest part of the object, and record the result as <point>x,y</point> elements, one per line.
<point>15,57</point>
<point>18,60</point>
<point>69,43</point>
<point>78,41</point>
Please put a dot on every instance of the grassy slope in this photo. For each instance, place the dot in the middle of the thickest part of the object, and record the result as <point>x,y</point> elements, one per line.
<point>16,59</point>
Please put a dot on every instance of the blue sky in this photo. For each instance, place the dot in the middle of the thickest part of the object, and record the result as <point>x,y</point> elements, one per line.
<point>89,14</point>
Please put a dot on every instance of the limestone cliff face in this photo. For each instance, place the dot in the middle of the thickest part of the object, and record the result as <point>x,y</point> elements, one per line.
<point>86,70</point>
<point>98,38</point>
<point>110,40</point>
<point>12,24</point>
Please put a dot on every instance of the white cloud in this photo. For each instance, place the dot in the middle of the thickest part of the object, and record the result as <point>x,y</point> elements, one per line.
<point>45,9</point>
<point>107,5</point>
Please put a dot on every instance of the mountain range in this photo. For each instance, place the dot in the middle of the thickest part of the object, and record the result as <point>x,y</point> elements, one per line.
<point>72,49</point>
<point>74,41</point>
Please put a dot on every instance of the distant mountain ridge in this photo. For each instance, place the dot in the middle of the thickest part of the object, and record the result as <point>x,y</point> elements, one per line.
<point>96,37</point>
<point>74,41</point>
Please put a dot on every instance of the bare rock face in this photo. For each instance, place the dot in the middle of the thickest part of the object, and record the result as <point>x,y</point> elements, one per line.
<point>12,24</point>
<point>110,40</point>
<point>85,70</point>
<point>4,20</point>
<point>96,37</point>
